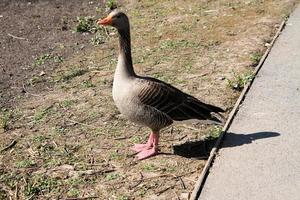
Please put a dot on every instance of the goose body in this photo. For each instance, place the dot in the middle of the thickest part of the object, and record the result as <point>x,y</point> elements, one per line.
<point>148,101</point>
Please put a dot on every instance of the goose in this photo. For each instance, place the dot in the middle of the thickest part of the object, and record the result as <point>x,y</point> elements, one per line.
<point>148,101</point>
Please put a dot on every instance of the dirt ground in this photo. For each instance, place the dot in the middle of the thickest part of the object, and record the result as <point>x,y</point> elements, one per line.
<point>61,134</point>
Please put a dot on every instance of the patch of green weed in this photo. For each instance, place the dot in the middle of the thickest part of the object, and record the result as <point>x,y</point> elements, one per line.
<point>58,59</point>
<point>41,114</point>
<point>71,74</point>
<point>255,58</point>
<point>42,59</point>
<point>112,176</point>
<point>123,198</point>
<point>39,138</point>
<point>173,44</point>
<point>87,84</point>
<point>142,191</point>
<point>111,4</point>
<point>98,39</point>
<point>41,184</point>
<point>25,164</point>
<point>58,130</point>
<point>52,163</point>
<point>215,132</point>
<point>74,181</point>
<point>34,80</point>
<point>136,139</point>
<point>67,103</point>
<point>73,192</point>
<point>6,115</point>
<point>149,167</point>
<point>86,24</point>
<point>114,156</point>
<point>239,81</point>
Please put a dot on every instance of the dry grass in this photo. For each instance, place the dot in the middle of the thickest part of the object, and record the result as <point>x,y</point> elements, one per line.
<point>72,141</point>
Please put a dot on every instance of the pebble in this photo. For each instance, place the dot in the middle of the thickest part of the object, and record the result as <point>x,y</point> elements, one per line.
<point>42,73</point>
<point>185,196</point>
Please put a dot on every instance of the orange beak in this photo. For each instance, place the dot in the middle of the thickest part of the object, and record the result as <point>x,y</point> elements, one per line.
<point>106,21</point>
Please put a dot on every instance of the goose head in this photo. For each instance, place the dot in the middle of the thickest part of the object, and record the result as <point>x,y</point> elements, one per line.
<point>116,19</point>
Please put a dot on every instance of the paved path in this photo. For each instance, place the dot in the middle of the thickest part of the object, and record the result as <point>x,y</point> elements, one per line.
<point>260,156</point>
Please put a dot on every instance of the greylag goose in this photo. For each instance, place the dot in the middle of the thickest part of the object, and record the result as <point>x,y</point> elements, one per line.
<point>148,101</point>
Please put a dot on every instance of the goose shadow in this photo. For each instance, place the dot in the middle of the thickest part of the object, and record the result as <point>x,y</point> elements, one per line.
<point>201,149</point>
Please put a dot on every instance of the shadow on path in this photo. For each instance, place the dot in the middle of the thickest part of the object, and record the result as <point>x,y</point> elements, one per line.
<point>201,149</point>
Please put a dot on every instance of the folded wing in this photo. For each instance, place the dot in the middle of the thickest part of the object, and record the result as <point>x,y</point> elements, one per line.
<point>173,102</point>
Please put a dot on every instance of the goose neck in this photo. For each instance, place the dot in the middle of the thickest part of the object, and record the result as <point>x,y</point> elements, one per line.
<point>125,66</point>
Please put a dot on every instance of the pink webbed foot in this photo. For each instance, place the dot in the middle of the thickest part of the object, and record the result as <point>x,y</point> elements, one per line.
<point>147,153</point>
<point>148,149</point>
<point>141,147</point>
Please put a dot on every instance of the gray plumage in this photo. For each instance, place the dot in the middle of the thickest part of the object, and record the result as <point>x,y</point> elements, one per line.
<point>146,100</point>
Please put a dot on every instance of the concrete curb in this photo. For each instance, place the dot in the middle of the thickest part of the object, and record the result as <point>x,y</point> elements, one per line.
<point>201,180</point>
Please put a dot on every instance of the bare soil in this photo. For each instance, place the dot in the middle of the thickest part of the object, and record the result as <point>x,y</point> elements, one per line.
<point>61,134</point>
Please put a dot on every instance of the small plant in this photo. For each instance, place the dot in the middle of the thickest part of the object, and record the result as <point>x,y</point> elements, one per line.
<point>86,24</point>
<point>72,74</point>
<point>58,130</point>
<point>25,164</point>
<point>40,115</point>
<point>255,58</point>
<point>34,80</point>
<point>114,156</point>
<point>135,139</point>
<point>58,59</point>
<point>39,184</point>
<point>52,163</point>
<point>142,192</point>
<point>5,118</point>
<point>73,192</point>
<point>39,138</point>
<point>149,167</point>
<point>87,84</point>
<point>42,59</point>
<point>173,44</point>
<point>74,181</point>
<point>98,39</point>
<point>239,81</point>
<point>285,16</point>
<point>112,176</point>
<point>67,103</point>
<point>111,4</point>
<point>123,198</point>
<point>215,132</point>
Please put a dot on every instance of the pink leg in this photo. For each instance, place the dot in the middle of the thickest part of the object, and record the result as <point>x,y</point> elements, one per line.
<point>148,149</point>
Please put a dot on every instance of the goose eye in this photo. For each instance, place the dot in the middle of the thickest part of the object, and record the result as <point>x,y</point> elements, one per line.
<point>118,16</point>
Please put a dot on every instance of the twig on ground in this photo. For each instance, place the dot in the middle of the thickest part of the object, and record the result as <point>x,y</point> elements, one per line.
<point>182,183</point>
<point>140,181</point>
<point>166,189</point>
<point>16,192</point>
<point>176,195</point>
<point>13,143</point>
<point>16,37</point>
<point>120,138</point>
